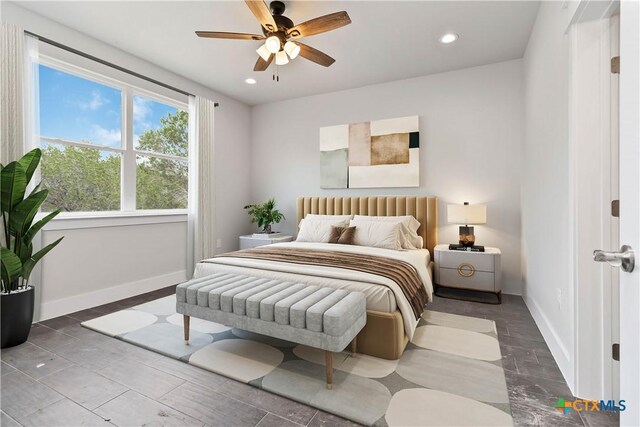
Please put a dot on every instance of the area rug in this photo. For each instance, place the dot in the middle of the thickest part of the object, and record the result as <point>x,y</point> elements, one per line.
<point>450,374</point>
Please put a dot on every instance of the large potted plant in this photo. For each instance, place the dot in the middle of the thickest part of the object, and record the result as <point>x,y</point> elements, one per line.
<point>18,260</point>
<point>265,215</point>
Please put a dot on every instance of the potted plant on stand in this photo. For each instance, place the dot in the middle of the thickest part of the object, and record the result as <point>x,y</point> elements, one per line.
<point>18,260</point>
<point>265,215</point>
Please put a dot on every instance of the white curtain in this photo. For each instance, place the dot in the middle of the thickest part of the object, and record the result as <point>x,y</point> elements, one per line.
<point>201,228</point>
<point>18,105</point>
<point>12,56</point>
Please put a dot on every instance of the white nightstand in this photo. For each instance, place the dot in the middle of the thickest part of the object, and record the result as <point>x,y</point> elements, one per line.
<point>477,271</point>
<point>250,241</point>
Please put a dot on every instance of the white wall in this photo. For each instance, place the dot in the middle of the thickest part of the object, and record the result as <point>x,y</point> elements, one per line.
<point>547,216</point>
<point>92,284</point>
<point>96,265</point>
<point>471,136</point>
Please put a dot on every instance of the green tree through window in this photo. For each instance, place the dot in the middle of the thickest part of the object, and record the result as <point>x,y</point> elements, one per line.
<point>162,183</point>
<point>87,179</point>
<point>80,179</point>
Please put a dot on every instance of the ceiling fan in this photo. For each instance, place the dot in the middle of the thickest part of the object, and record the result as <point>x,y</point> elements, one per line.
<point>277,30</point>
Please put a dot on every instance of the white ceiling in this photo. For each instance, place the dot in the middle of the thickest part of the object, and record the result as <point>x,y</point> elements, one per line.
<point>387,40</point>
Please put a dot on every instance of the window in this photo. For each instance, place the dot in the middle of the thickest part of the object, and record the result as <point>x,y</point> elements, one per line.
<point>92,161</point>
<point>161,141</point>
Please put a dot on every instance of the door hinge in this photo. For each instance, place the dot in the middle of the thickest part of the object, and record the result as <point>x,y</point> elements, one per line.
<point>615,65</point>
<point>615,208</point>
<point>615,352</point>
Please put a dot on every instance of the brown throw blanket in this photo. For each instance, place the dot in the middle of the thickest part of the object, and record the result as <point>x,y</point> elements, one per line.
<point>402,273</point>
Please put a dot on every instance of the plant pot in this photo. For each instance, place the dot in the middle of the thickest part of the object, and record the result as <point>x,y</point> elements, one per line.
<point>16,317</point>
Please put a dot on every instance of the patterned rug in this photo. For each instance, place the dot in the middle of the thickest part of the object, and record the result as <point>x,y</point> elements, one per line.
<point>450,374</point>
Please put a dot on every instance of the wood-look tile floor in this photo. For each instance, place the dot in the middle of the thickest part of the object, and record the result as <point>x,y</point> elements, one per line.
<point>66,375</point>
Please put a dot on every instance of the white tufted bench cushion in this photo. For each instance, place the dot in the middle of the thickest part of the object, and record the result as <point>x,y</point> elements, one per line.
<point>323,318</point>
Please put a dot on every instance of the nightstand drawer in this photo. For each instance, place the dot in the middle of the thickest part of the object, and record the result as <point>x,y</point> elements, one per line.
<point>467,279</point>
<point>480,261</point>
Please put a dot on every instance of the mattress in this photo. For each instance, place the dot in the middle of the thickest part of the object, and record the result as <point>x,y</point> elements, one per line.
<point>379,298</point>
<point>381,294</point>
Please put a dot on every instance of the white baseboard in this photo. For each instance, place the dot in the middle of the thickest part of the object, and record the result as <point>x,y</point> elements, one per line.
<point>559,351</point>
<point>51,309</point>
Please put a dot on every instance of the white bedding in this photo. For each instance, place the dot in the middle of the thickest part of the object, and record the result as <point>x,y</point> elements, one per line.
<point>381,292</point>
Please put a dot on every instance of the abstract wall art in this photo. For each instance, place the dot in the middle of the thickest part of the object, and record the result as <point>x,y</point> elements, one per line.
<point>376,154</point>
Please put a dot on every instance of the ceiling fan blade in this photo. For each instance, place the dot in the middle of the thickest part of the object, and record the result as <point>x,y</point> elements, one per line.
<point>261,64</point>
<point>263,14</point>
<point>314,55</point>
<point>225,35</point>
<point>321,24</point>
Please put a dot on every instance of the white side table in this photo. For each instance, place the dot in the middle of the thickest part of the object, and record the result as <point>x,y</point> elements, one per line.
<point>477,271</point>
<point>250,241</point>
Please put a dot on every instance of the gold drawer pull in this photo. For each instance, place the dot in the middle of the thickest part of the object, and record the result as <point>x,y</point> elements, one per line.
<point>466,270</point>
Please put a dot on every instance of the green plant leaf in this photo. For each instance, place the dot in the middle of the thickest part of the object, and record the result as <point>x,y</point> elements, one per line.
<point>24,212</point>
<point>25,251</point>
<point>30,162</point>
<point>265,214</point>
<point>33,230</point>
<point>13,183</point>
<point>11,268</point>
<point>29,264</point>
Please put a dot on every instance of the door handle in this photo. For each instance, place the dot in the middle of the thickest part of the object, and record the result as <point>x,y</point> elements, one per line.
<point>624,259</point>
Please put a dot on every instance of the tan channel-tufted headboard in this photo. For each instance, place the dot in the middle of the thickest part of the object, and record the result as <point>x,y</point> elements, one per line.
<point>424,209</point>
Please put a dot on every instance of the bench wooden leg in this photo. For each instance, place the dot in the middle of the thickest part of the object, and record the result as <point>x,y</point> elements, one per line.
<point>186,328</point>
<point>328,357</point>
<point>354,346</point>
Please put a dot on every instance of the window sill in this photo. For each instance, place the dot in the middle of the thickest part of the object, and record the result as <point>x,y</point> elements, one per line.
<point>76,220</point>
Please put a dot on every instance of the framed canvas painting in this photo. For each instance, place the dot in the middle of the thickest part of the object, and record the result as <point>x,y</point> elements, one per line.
<point>375,154</point>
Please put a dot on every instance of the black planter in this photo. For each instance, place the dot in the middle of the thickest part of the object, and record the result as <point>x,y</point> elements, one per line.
<point>17,316</point>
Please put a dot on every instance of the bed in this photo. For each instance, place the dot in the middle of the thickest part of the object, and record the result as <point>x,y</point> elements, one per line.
<point>390,323</point>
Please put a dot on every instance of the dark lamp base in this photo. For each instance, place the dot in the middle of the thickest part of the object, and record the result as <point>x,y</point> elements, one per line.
<point>467,238</point>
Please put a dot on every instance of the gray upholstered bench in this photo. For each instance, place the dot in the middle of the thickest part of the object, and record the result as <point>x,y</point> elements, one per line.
<point>323,318</point>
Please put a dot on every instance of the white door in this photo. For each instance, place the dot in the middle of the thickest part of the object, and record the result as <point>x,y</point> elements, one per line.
<point>630,208</point>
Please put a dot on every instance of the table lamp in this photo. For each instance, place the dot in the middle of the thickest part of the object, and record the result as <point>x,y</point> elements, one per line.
<point>467,214</point>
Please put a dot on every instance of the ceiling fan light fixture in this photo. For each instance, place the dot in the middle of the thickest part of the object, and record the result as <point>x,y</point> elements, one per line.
<point>281,58</point>
<point>273,44</point>
<point>264,52</point>
<point>292,49</point>
<point>448,38</point>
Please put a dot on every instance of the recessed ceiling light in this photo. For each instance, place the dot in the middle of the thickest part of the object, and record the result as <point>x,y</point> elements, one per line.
<point>448,38</point>
<point>250,81</point>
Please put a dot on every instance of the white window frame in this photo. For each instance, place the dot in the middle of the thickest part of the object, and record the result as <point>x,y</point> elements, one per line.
<point>127,151</point>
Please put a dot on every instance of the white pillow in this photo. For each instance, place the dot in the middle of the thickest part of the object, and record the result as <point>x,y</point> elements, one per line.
<point>386,235</point>
<point>409,220</point>
<point>409,228</point>
<point>335,218</point>
<point>318,230</point>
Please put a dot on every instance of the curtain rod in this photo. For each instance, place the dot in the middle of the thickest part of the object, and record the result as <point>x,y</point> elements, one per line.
<point>109,64</point>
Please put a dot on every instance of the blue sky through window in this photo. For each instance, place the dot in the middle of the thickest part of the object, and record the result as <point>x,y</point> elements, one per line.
<point>78,109</point>
<point>147,114</point>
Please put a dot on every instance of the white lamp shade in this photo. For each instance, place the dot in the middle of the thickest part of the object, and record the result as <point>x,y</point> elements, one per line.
<point>272,44</point>
<point>264,52</point>
<point>467,214</point>
<point>281,58</point>
<point>292,49</point>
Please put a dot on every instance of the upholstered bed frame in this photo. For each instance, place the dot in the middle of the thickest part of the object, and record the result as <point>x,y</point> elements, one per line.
<point>383,335</point>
